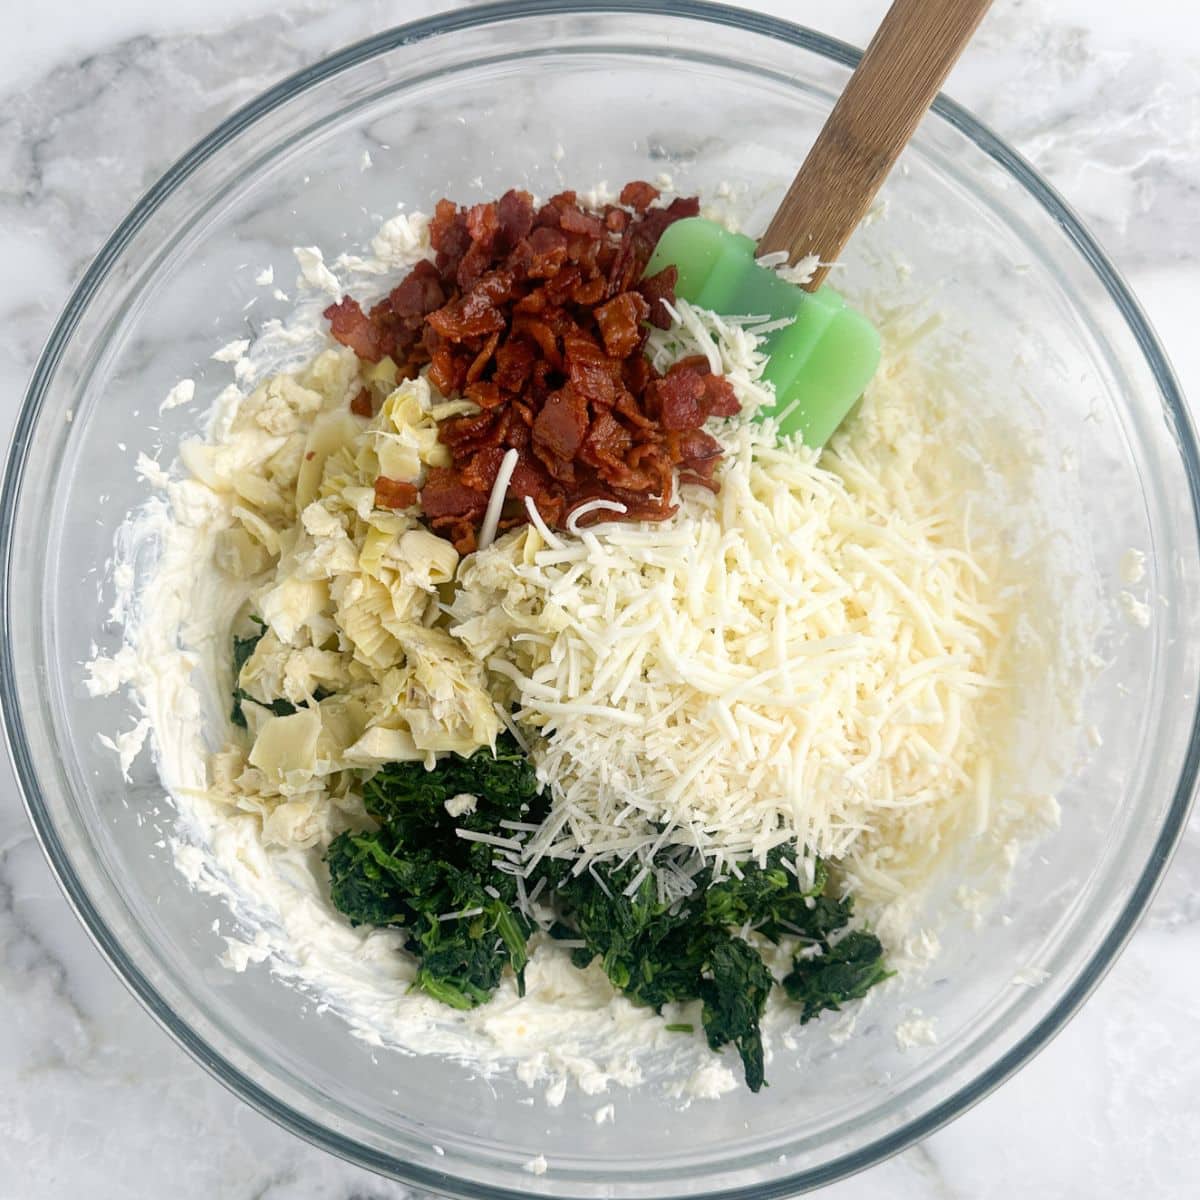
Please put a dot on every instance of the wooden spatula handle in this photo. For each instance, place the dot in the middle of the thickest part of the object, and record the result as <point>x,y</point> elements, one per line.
<point>895,83</point>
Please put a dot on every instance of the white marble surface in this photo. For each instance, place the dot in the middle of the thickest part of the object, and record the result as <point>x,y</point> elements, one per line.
<point>95,1101</point>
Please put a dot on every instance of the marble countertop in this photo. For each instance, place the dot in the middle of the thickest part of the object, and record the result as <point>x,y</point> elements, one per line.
<point>95,1100</point>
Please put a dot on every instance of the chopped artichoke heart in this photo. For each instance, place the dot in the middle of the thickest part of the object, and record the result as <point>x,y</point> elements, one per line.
<point>343,471</point>
<point>381,745</point>
<point>426,559</point>
<point>454,408</point>
<point>260,493</point>
<point>320,521</point>
<point>263,673</point>
<point>399,457</point>
<point>350,612</point>
<point>358,500</point>
<point>289,605</point>
<point>331,432</point>
<point>309,670</point>
<point>448,706</point>
<point>283,467</point>
<point>361,621</point>
<point>408,406</point>
<point>344,718</point>
<point>219,466</point>
<point>302,822</point>
<point>285,750</point>
<point>376,544</point>
<point>330,557</point>
<point>263,531</point>
<point>381,374</point>
<point>333,374</point>
<point>279,406</point>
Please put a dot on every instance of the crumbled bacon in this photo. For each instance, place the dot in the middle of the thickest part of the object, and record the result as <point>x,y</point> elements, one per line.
<point>559,429</point>
<point>362,405</point>
<point>539,317</point>
<point>446,499</point>
<point>654,289</point>
<point>394,493</point>
<point>352,327</point>
<point>620,322</point>
<point>639,195</point>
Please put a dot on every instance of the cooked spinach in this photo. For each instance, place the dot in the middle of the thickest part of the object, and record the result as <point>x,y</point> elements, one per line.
<point>418,872</point>
<point>847,970</point>
<point>459,909</point>
<point>734,988</point>
<point>243,648</point>
<point>695,949</point>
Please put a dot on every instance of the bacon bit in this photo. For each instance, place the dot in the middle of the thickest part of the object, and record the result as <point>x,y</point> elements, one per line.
<point>694,362</point>
<point>485,393</point>
<point>538,317</point>
<point>720,397</point>
<point>690,394</point>
<point>698,452</point>
<point>469,316</point>
<point>678,399</point>
<point>544,253</point>
<point>481,360</point>
<point>480,473</point>
<point>620,322</point>
<point>351,326</point>
<point>514,364</point>
<point>419,293</point>
<point>558,430</point>
<point>574,220</point>
<point>514,211</point>
<point>394,493</point>
<point>657,288</point>
<point>605,447</point>
<point>449,237</point>
<point>690,477</point>
<point>639,195</point>
<point>447,500</point>
<point>483,223</point>
<point>615,219</point>
<point>362,405</point>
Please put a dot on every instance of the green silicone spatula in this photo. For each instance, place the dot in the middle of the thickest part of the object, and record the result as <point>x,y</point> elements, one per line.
<point>821,362</point>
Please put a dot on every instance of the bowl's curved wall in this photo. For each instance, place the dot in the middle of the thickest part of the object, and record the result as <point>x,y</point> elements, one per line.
<point>465,105</point>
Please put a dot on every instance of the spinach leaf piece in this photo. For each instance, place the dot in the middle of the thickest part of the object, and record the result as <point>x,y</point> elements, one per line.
<point>769,899</point>
<point>371,878</point>
<point>844,971</point>
<point>416,871</point>
<point>735,990</point>
<point>658,953</point>
<point>242,649</point>
<point>407,797</point>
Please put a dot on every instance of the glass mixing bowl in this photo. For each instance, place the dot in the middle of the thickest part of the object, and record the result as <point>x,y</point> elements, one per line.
<point>465,105</point>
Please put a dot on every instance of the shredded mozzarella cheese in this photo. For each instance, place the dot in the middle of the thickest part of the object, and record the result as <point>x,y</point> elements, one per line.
<point>808,657</point>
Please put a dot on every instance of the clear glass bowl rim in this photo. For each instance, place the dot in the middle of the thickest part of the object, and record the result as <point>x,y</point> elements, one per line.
<point>475,18</point>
